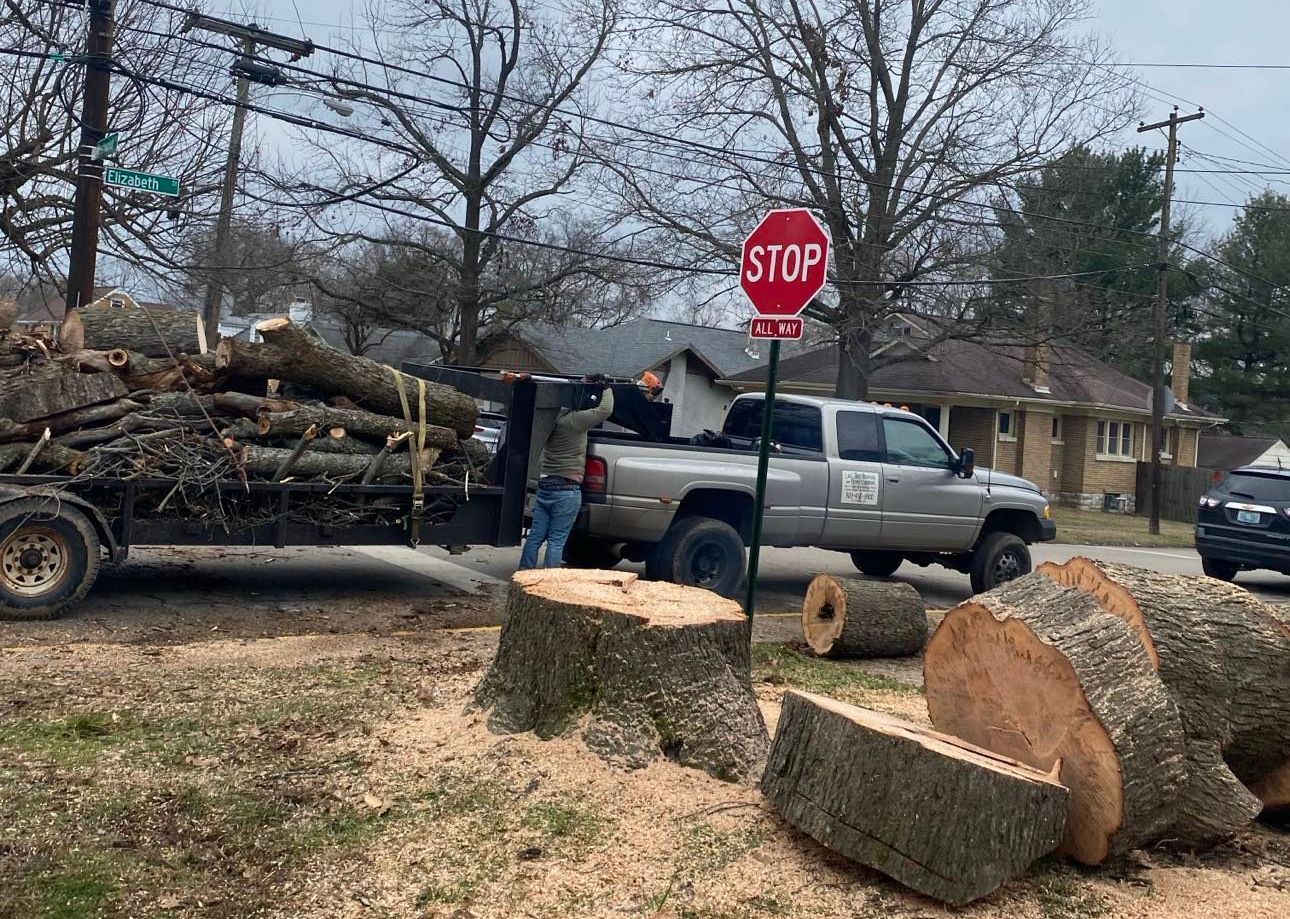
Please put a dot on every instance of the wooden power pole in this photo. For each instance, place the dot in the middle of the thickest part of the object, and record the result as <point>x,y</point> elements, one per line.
<point>1159,326</point>
<point>86,215</point>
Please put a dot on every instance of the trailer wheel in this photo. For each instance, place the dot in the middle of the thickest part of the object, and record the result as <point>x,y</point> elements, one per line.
<point>700,552</point>
<point>49,558</point>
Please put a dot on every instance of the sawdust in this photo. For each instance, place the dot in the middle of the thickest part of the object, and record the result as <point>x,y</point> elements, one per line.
<point>658,602</point>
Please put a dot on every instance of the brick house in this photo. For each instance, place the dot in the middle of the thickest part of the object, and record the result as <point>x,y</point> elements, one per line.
<point>1053,414</point>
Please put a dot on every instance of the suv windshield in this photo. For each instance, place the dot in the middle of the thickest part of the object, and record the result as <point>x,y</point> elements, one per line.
<point>1256,486</point>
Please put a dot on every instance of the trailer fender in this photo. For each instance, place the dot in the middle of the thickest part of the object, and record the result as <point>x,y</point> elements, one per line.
<point>58,496</point>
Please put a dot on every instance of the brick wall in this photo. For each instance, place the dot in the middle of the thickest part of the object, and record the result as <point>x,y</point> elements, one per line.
<point>1035,449</point>
<point>972,427</point>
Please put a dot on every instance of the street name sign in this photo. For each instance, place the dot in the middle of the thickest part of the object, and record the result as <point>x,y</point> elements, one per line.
<point>141,181</point>
<point>106,147</point>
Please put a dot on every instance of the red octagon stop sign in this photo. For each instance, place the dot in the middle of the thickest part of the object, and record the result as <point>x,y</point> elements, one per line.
<point>785,262</point>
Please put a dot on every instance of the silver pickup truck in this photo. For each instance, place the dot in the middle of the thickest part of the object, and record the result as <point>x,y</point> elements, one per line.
<point>878,483</point>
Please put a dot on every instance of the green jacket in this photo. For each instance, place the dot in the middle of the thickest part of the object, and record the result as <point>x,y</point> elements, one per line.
<point>565,453</point>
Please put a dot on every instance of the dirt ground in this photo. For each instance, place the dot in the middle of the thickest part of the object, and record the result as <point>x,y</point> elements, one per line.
<point>211,758</point>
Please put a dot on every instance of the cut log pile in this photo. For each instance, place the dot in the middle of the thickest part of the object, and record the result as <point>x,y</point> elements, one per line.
<point>139,394</point>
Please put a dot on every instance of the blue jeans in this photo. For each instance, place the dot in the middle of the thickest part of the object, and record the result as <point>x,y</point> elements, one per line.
<point>554,512</point>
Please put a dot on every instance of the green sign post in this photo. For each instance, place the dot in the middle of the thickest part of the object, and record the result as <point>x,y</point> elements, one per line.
<point>141,181</point>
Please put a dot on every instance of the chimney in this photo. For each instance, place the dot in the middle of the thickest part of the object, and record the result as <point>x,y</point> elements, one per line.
<point>1035,369</point>
<point>1182,371</point>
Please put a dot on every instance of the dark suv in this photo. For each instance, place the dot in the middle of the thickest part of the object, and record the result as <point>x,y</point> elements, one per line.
<point>1244,523</point>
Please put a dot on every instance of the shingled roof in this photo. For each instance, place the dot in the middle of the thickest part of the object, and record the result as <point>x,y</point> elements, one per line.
<point>1227,451</point>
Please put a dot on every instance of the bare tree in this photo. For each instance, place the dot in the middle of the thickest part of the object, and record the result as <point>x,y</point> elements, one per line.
<point>163,129</point>
<point>893,120</point>
<point>271,264</point>
<point>487,104</point>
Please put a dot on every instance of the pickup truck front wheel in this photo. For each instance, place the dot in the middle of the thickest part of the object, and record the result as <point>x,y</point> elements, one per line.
<point>999,557</point>
<point>700,552</point>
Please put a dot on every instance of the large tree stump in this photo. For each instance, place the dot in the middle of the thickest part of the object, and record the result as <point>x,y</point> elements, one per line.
<point>51,389</point>
<point>642,669</point>
<point>296,356</point>
<point>1225,659</point>
<point>1040,673</point>
<point>149,332</point>
<point>948,819</point>
<point>855,618</point>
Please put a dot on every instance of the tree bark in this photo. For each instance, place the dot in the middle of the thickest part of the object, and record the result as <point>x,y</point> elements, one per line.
<point>101,328</point>
<point>250,360</point>
<point>265,461</point>
<point>855,618</point>
<point>69,421</point>
<point>1040,673</point>
<point>51,389</point>
<point>185,404</point>
<point>302,359</point>
<point>943,817</point>
<point>1225,659</point>
<point>355,422</point>
<point>855,344</point>
<point>352,446</point>
<point>643,669</point>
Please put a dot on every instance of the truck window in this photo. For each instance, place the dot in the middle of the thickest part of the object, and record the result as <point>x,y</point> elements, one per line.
<point>911,444</point>
<point>858,437</point>
<point>796,425</point>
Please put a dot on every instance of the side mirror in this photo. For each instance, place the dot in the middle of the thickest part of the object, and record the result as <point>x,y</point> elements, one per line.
<point>967,463</point>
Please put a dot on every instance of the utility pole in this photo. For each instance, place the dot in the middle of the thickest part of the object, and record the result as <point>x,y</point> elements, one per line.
<point>247,71</point>
<point>83,258</point>
<point>1160,330</point>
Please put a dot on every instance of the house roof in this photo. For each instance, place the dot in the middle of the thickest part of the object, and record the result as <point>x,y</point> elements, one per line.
<point>633,347</point>
<point>52,310</point>
<point>990,370</point>
<point>391,347</point>
<point>1227,451</point>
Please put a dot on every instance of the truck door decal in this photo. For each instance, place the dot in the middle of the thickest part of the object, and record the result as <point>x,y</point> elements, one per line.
<point>859,487</point>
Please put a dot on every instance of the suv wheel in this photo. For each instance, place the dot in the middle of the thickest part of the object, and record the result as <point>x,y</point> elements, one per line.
<point>877,564</point>
<point>700,552</point>
<point>48,558</point>
<point>999,557</point>
<point>1217,568</point>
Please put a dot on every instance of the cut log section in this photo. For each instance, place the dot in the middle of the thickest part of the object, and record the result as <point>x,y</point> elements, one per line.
<point>298,357</point>
<point>355,422</point>
<point>266,461</point>
<point>68,421</point>
<point>153,333</point>
<point>854,618</point>
<point>645,669</point>
<point>51,389</point>
<point>948,819</point>
<point>1041,673</point>
<point>1225,660</point>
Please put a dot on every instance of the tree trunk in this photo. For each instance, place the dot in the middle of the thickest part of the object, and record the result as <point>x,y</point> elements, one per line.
<point>69,421</point>
<point>185,404</point>
<point>352,446</point>
<point>1040,673</point>
<point>305,360</point>
<point>101,328</point>
<point>358,423</point>
<point>854,618</point>
<point>265,461</point>
<point>138,371</point>
<point>250,360</point>
<point>51,389</point>
<point>645,669</point>
<point>948,819</point>
<point>1225,659</point>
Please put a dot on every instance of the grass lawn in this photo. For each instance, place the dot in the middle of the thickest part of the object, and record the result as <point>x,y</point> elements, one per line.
<point>1094,528</point>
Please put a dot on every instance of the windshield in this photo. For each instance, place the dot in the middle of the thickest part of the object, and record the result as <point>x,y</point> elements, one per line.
<point>1256,486</point>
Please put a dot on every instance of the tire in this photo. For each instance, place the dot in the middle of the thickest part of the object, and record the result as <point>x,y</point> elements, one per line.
<point>877,564</point>
<point>999,557</point>
<point>586,552</point>
<point>1217,568</point>
<point>49,558</point>
<point>700,552</point>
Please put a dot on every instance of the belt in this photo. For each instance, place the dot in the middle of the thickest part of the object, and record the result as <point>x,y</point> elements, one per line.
<point>559,485</point>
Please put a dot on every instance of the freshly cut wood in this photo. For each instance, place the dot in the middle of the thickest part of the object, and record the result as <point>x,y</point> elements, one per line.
<point>138,371</point>
<point>1274,788</point>
<point>948,819</point>
<point>249,360</point>
<point>301,358</point>
<point>51,389</point>
<point>1041,673</point>
<point>69,421</point>
<point>1225,659</point>
<point>185,404</point>
<point>848,617</point>
<point>102,328</point>
<point>643,669</point>
<point>266,461</point>
<point>355,422</point>
<point>338,441</point>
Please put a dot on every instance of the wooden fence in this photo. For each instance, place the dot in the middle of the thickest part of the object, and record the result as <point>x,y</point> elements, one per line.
<point>1180,491</point>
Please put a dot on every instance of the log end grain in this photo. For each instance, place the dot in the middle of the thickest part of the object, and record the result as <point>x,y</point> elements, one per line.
<point>857,618</point>
<point>653,603</point>
<point>946,818</point>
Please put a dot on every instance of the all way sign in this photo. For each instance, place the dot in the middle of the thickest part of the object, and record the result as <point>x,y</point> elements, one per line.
<point>776,327</point>
<point>141,181</point>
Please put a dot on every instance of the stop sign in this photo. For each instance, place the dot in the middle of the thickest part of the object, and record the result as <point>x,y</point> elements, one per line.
<point>785,262</point>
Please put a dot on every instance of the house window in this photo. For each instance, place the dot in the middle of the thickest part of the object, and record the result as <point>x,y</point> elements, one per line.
<point>1057,429</point>
<point>117,303</point>
<point>1115,439</point>
<point>1007,426</point>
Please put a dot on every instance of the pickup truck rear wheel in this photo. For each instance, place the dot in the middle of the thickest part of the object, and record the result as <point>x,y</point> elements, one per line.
<point>49,558</point>
<point>877,564</point>
<point>585,552</point>
<point>700,552</point>
<point>999,557</point>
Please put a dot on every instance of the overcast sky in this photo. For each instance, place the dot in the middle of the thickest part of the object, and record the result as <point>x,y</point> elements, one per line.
<point>1240,102</point>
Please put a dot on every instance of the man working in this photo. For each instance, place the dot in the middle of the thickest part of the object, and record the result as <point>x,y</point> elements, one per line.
<point>559,494</point>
